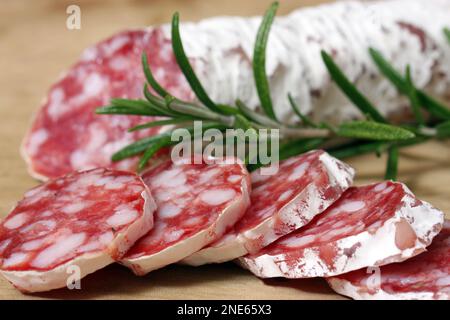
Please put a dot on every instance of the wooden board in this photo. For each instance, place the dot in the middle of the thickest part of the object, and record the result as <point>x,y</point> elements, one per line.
<point>37,47</point>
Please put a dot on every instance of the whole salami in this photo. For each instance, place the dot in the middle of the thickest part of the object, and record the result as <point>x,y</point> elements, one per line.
<point>426,276</point>
<point>303,187</point>
<point>80,222</point>
<point>368,226</point>
<point>67,136</point>
<point>197,203</point>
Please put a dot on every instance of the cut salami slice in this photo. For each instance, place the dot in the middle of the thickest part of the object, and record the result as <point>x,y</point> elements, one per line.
<point>67,136</point>
<point>197,203</point>
<point>426,276</point>
<point>368,226</point>
<point>84,220</point>
<point>303,187</point>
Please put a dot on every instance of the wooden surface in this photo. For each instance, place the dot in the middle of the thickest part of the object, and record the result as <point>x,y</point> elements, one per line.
<point>36,47</point>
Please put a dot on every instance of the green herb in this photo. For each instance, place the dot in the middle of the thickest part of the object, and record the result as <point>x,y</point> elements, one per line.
<point>388,71</point>
<point>152,149</point>
<point>369,130</point>
<point>413,97</point>
<point>124,106</point>
<point>392,164</point>
<point>125,110</point>
<point>447,34</point>
<point>158,123</point>
<point>259,61</point>
<point>443,130</point>
<point>433,106</point>
<point>138,146</point>
<point>374,135</point>
<point>306,121</point>
<point>150,79</point>
<point>255,116</point>
<point>187,70</point>
<point>350,90</point>
<point>358,148</point>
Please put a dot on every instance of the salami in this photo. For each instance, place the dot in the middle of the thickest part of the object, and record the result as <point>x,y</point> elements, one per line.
<point>197,203</point>
<point>67,136</point>
<point>426,276</point>
<point>84,220</point>
<point>303,187</point>
<point>371,225</point>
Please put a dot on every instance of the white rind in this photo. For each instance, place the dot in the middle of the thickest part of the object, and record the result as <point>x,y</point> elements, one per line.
<point>224,252</point>
<point>143,265</point>
<point>375,249</point>
<point>346,288</point>
<point>37,281</point>
<point>264,233</point>
<point>28,162</point>
<point>350,29</point>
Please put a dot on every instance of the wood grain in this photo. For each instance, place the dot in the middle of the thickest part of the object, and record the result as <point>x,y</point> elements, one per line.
<point>37,47</point>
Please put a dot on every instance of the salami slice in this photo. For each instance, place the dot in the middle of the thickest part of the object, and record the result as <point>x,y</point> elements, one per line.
<point>426,276</point>
<point>303,187</point>
<point>67,136</point>
<point>84,220</point>
<point>371,225</point>
<point>197,203</point>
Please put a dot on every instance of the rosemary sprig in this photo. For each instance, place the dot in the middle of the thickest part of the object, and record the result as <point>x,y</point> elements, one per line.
<point>347,139</point>
<point>143,144</point>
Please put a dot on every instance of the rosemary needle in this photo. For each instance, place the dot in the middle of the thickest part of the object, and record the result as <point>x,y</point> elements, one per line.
<point>259,61</point>
<point>350,90</point>
<point>447,34</point>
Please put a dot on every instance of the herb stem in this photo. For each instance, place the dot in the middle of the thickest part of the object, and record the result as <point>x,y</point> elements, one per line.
<point>413,97</point>
<point>392,163</point>
<point>288,133</point>
<point>255,116</point>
